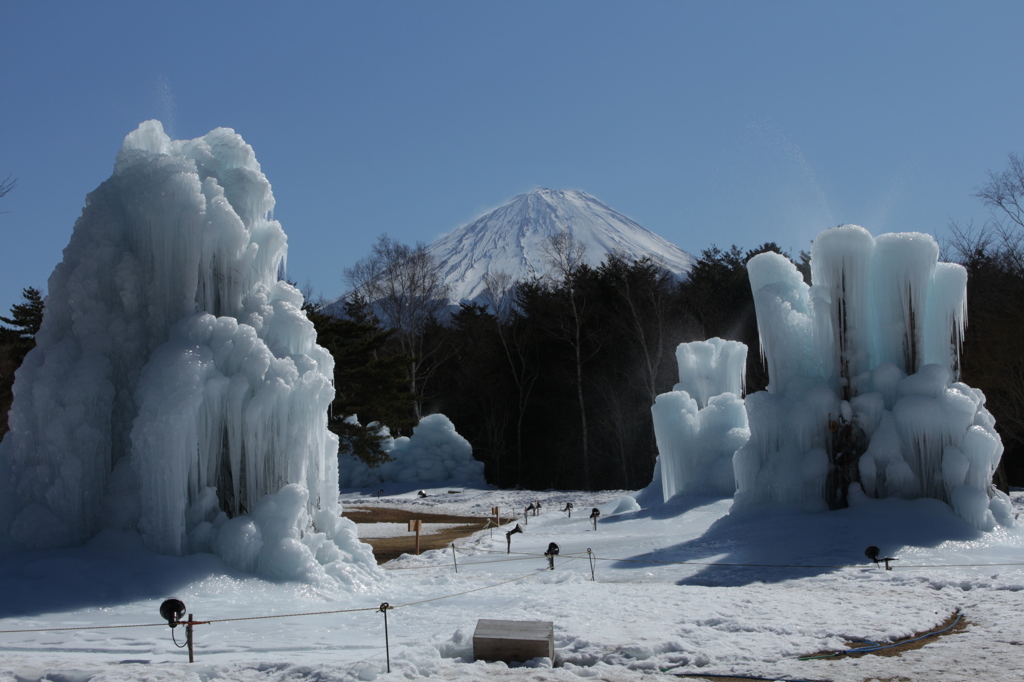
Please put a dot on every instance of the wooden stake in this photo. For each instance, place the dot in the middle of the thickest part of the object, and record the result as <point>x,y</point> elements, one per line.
<point>416,525</point>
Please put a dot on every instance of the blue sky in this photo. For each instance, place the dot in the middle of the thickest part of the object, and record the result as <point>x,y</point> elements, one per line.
<point>711,122</point>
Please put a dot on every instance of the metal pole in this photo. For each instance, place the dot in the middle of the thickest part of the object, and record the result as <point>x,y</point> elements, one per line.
<point>387,645</point>
<point>454,559</point>
<point>188,639</point>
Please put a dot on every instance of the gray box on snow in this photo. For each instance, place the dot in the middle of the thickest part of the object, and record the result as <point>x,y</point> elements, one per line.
<point>513,640</point>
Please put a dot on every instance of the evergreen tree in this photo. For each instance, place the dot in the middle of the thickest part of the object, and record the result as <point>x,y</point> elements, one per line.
<point>15,343</point>
<point>369,383</point>
<point>25,319</point>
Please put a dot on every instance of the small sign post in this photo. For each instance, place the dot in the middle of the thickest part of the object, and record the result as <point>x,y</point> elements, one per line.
<point>416,525</point>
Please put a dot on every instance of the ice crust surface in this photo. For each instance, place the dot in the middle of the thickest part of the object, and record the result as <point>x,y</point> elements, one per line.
<point>176,382</point>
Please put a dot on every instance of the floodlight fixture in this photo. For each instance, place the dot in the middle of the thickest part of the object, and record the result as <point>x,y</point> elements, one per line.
<point>874,554</point>
<point>551,554</point>
<point>172,610</point>
<point>508,538</point>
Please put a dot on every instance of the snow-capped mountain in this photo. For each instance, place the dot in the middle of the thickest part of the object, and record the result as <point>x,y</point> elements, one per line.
<point>512,239</point>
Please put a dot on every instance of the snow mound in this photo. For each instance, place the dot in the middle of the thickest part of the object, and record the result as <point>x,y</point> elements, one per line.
<point>435,453</point>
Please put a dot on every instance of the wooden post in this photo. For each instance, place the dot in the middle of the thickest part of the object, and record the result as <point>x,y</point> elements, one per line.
<point>188,639</point>
<point>416,525</point>
<point>497,516</point>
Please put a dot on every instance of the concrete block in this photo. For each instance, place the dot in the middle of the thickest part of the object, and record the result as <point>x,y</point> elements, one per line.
<point>513,640</point>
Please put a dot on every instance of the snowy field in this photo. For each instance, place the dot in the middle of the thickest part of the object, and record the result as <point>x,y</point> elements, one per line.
<point>755,595</point>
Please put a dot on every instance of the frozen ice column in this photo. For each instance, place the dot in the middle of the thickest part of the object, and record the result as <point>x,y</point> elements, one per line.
<point>176,386</point>
<point>701,422</point>
<point>863,390</point>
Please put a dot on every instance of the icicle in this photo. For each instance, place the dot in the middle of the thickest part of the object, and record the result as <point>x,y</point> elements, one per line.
<point>169,343</point>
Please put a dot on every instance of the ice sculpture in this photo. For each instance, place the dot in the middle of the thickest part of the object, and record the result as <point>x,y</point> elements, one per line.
<point>176,386</point>
<point>701,422</point>
<point>863,389</point>
<point>435,453</point>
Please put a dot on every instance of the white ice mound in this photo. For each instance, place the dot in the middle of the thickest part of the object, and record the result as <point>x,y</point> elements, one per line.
<point>702,422</point>
<point>862,381</point>
<point>176,386</point>
<point>435,453</point>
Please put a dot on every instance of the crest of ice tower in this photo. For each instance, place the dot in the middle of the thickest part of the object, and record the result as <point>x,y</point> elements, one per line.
<point>701,422</point>
<point>176,386</point>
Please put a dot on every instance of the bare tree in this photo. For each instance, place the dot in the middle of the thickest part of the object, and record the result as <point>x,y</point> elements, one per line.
<point>499,295</point>
<point>643,288</point>
<point>7,184</point>
<point>1005,191</point>
<point>566,256</point>
<point>404,288</point>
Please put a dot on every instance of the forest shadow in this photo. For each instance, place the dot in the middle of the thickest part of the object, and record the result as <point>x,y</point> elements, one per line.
<point>771,546</point>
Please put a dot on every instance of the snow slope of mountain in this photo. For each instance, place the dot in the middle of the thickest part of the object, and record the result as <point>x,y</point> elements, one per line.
<point>512,239</point>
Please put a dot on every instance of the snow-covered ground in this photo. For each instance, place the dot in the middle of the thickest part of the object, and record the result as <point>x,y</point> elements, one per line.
<point>754,595</point>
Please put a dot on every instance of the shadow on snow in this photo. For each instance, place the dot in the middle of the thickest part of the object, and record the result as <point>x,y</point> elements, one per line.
<point>771,545</point>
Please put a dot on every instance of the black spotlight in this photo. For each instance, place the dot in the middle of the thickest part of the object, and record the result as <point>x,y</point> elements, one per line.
<point>422,494</point>
<point>508,538</point>
<point>594,513</point>
<point>551,554</point>
<point>874,553</point>
<point>172,610</point>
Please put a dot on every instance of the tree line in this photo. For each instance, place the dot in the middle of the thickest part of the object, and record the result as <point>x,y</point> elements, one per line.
<point>552,379</point>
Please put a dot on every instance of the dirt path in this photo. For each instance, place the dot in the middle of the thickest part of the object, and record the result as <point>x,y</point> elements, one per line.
<point>908,644</point>
<point>386,549</point>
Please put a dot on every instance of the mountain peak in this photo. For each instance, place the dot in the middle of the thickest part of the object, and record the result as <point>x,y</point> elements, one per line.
<point>512,239</point>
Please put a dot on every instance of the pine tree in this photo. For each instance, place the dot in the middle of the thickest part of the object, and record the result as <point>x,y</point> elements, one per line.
<point>369,383</point>
<point>15,343</point>
<point>25,319</point>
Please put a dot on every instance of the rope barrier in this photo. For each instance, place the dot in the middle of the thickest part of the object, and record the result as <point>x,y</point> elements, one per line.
<point>581,555</point>
<point>293,615</point>
<point>478,589</point>
<point>471,563</point>
<point>288,615</point>
<point>92,627</point>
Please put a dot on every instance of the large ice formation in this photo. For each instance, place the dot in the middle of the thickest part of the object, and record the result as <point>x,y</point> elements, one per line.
<point>435,453</point>
<point>701,422</point>
<point>863,389</point>
<point>176,386</point>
